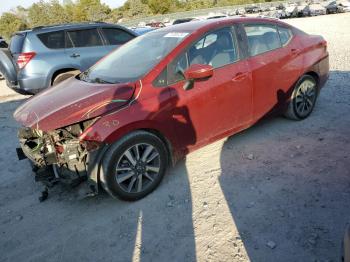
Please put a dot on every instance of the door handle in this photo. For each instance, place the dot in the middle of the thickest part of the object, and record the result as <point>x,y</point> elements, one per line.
<point>239,76</point>
<point>74,55</point>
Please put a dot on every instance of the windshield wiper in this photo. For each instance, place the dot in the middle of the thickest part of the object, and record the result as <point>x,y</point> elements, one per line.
<point>100,81</point>
<point>84,75</point>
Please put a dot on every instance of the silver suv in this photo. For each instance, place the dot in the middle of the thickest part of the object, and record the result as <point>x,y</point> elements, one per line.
<point>43,56</point>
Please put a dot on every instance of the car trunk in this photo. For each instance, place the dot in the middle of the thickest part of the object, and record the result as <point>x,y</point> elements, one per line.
<point>8,57</point>
<point>8,67</point>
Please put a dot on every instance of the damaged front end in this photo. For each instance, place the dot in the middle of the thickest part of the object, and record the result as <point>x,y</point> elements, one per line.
<point>59,155</point>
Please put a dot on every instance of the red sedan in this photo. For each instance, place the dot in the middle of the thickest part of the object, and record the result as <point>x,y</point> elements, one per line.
<point>166,93</point>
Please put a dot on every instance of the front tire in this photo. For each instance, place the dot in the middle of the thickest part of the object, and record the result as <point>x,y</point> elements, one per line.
<point>303,98</point>
<point>134,166</point>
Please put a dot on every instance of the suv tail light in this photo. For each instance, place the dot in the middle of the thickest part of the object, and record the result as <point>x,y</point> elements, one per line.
<point>24,59</point>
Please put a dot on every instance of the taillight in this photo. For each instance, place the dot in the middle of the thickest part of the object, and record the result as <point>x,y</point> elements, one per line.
<point>24,58</point>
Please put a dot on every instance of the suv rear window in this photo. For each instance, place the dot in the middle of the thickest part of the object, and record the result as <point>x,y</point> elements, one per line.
<point>54,40</point>
<point>116,36</point>
<point>84,38</point>
<point>16,44</point>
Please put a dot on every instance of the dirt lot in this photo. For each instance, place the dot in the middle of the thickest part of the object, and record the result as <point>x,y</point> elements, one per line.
<point>279,191</point>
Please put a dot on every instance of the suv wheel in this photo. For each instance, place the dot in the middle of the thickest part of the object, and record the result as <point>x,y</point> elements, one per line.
<point>63,76</point>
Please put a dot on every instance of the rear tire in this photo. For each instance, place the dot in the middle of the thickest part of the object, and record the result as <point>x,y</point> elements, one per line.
<point>303,99</point>
<point>134,166</point>
<point>63,76</point>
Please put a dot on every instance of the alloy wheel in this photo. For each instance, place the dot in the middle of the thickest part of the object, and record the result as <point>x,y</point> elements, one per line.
<point>137,168</point>
<point>305,98</point>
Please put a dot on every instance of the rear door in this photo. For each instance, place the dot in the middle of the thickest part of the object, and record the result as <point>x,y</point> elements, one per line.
<point>115,37</point>
<point>275,66</point>
<point>84,47</point>
<point>222,103</point>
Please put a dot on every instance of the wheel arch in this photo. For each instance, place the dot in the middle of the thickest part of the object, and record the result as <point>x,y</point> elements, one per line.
<point>56,72</point>
<point>314,75</point>
<point>112,138</point>
<point>165,140</point>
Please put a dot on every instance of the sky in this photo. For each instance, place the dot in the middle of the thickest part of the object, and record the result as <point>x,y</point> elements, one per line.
<point>6,5</point>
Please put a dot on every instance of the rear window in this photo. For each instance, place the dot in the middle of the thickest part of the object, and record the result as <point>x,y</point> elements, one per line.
<point>116,36</point>
<point>54,40</point>
<point>285,34</point>
<point>84,38</point>
<point>16,44</point>
<point>262,38</point>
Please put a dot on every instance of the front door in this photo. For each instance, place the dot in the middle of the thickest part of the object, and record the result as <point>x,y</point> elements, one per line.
<point>220,104</point>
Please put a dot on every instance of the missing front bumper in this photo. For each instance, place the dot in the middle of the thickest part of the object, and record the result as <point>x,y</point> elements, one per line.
<point>59,156</point>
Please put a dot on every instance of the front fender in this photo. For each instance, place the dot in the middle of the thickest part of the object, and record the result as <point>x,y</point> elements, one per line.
<point>110,130</point>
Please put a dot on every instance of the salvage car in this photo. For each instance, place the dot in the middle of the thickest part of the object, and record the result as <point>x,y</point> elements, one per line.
<point>291,11</point>
<point>46,55</point>
<point>344,6</point>
<point>122,122</point>
<point>314,10</point>
<point>184,20</point>
<point>332,7</point>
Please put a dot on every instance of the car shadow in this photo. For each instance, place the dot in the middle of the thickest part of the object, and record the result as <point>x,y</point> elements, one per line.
<point>287,182</point>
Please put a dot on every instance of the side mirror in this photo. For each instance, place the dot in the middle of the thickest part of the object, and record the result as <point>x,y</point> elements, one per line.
<point>197,72</point>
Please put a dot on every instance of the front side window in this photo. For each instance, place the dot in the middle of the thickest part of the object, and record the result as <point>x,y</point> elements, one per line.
<point>115,36</point>
<point>261,38</point>
<point>285,34</point>
<point>84,38</point>
<point>54,40</point>
<point>217,49</point>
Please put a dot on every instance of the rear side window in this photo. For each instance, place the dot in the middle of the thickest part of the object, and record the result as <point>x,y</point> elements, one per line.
<point>16,44</point>
<point>285,35</point>
<point>54,40</point>
<point>262,38</point>
<point>83,38</point>
<point>116,36</point>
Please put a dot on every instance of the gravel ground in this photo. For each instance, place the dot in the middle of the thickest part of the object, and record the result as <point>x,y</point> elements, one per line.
<point>277,192</point>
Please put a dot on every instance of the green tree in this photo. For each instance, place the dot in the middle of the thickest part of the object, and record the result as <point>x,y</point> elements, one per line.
<point>134,8</point>
<point>160,6</point>
<point>90,10</point>
<point>10,23</point>
<point>47,13</point>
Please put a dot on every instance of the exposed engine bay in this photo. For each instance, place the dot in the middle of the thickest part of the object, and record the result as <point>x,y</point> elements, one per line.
<point>57,155</point>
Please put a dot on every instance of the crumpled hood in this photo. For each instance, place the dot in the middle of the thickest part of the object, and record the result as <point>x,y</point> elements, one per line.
<point>70,102</point>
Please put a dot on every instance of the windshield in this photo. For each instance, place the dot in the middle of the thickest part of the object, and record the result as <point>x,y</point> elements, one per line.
<point>134,59</point>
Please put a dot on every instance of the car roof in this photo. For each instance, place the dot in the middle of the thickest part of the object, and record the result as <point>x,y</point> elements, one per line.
<point>206,25</point>
<point>52,28</point>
